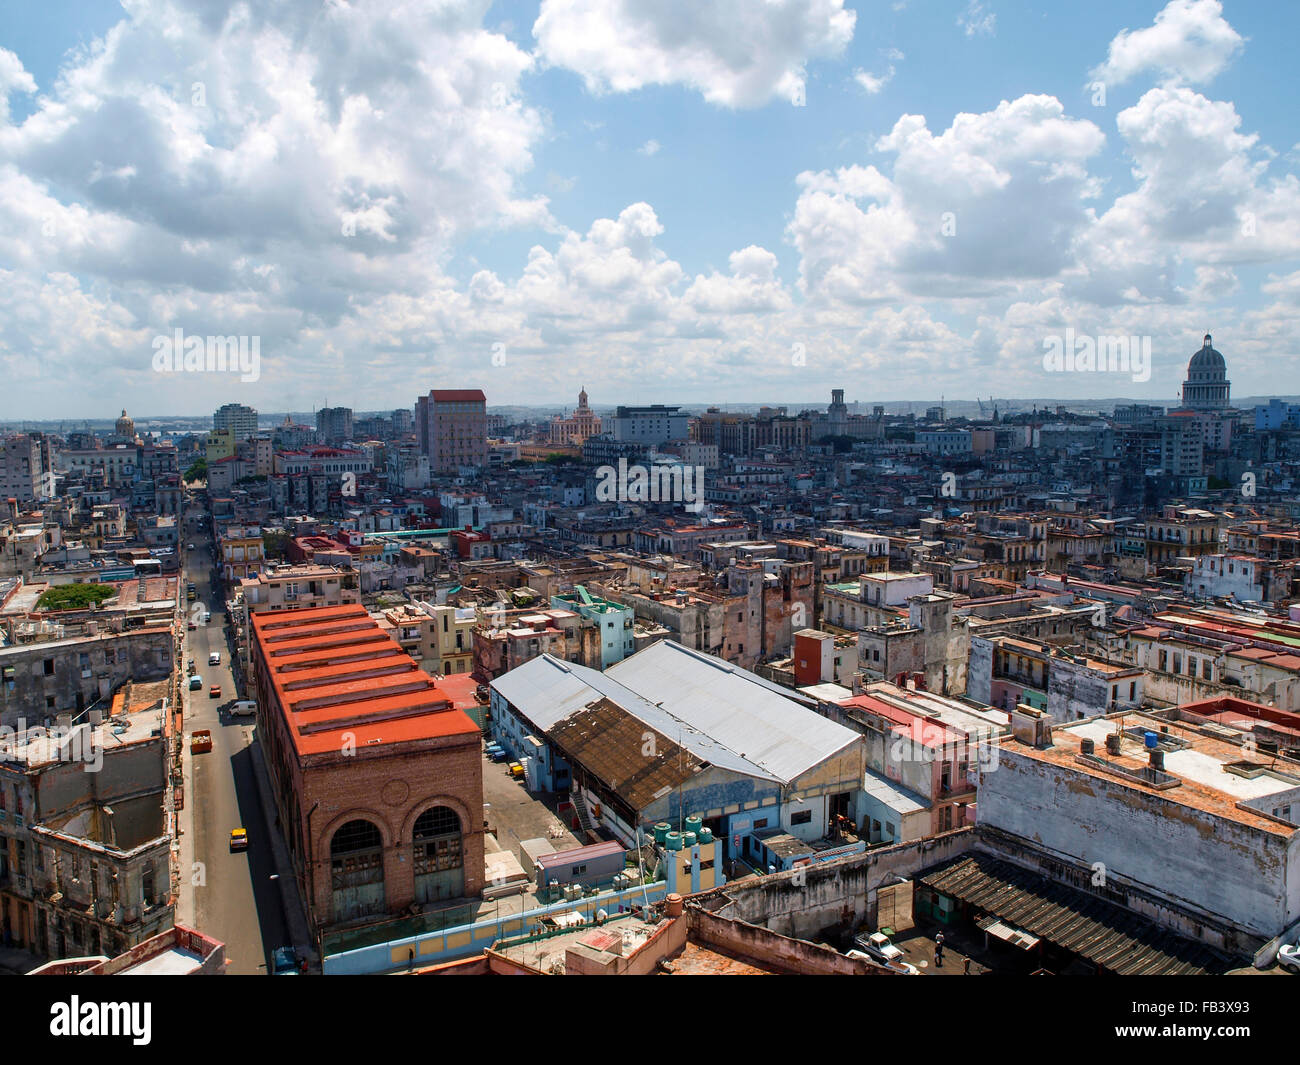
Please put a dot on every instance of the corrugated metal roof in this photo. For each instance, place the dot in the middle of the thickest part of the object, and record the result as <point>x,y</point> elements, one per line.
<point>770,726</point>
<point>1117,939</point>
<point>548,691</point>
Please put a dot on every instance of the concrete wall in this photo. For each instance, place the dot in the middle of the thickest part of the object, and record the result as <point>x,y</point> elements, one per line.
<point>1196,859</point>
<point>767,948</point>
<point>805,901</point>
<point>141,655</point>
<point>979,672</point>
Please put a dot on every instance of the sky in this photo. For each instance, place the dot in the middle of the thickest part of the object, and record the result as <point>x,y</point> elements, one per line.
<point>737,201</point>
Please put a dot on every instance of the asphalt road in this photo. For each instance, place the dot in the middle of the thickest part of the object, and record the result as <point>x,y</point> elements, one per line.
<point>237,902</point>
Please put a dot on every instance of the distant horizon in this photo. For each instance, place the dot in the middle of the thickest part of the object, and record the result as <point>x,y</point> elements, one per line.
<point>269,419</point>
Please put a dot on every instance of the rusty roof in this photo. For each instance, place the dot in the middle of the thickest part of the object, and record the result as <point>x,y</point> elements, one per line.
<point>1114,938</point>
<point>611,743</point>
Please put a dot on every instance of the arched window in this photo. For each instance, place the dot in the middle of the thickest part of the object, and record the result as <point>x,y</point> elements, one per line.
<point>357,870</point>
<point>439,861</point>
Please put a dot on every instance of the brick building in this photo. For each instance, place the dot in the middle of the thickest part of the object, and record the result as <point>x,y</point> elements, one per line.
<point>377,776</point>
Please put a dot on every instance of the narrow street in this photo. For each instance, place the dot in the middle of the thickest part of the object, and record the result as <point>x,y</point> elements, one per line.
<point>235,899</point>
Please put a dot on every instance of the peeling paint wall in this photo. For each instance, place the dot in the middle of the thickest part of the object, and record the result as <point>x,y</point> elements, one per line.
<point>1196,859</point>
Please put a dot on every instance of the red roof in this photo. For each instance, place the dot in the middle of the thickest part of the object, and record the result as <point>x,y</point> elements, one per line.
<point>335,672</point>
<point>919,727</point>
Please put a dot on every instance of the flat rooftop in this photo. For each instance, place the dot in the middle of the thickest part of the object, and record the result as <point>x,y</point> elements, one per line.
<point>1214,775</point>
<point>175,961</point>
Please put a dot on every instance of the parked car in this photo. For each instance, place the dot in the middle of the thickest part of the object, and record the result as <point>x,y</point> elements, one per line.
<point>214,692</point>
<point>243,708</point>
<point>284,962</point>
<point>214,659</point>
<point>1288,956</point>
<point>499,755</point>
<point>196,683</point>
<point>516,770</point>
<point>901,967</point>
<point>238,839</point>
<point>877,946</point>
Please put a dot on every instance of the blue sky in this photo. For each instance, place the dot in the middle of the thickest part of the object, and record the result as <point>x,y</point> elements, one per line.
<point>629,196</point>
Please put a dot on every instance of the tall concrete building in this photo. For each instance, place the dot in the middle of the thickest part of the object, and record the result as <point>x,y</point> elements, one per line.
<point>451,427</point>
<point>655,424</point>
<point>21,467</point>
<point>334,425</point>
<point>240,420</point>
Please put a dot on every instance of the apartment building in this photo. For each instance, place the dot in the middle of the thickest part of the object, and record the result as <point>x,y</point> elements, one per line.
<point>451,428</point>
<point>921,750</point>
<point>85,841</point>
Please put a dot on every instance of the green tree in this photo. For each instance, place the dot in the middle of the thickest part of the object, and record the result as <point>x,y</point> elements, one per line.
<point>197,472</point>
<point>74,596</point>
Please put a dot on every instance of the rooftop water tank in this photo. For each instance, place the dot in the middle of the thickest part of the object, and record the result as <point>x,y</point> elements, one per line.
<point>706,835</point>
<point>693,824</point>
<point>688,839</point>
<point>1151,739</point>
<point>673,841</point>
<point>661,832</point>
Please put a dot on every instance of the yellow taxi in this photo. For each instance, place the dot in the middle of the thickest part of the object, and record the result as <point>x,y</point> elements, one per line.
<point>238,839</point>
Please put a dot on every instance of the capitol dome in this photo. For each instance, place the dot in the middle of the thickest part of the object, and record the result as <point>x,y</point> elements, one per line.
<point>1207,385</point>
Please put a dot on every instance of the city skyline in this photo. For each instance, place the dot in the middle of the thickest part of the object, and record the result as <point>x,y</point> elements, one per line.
<point>926,197</point>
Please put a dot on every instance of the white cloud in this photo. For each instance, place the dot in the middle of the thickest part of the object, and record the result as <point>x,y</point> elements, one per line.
<point>995,199</point>
<point>873,83</point>
<point>650,147</point>
<point>1190,41</point>
<point>733,52</point>
<point>976,21</point>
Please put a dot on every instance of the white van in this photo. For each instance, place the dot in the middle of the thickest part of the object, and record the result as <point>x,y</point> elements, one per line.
<point>214,659</point>
<point>244,708</point>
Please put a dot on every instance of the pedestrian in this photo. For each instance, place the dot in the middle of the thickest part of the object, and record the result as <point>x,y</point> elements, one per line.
<point>965,967</point>
<point>938,950</point>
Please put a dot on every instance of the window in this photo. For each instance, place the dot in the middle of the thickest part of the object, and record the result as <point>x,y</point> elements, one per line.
<point>760,823</point>
<point>801,817</point>
<point>49,667</point>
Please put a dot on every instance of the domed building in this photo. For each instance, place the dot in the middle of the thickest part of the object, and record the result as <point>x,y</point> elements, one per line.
<point>1207,385</point>
<point>124,429</point>
<point>576,429</point>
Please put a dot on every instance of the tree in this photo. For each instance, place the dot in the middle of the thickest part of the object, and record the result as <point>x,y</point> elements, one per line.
<point>275,544</point>
<point>74,596</point>
<point>197,472</point>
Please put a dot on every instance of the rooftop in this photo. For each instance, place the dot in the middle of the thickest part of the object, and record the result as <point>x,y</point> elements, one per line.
<point>335,671</point>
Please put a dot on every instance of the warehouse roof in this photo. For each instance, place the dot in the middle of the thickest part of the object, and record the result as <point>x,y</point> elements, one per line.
<point>772,727</point>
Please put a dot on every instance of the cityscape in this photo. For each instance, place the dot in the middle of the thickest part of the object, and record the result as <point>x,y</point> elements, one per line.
<point>366,609</point>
